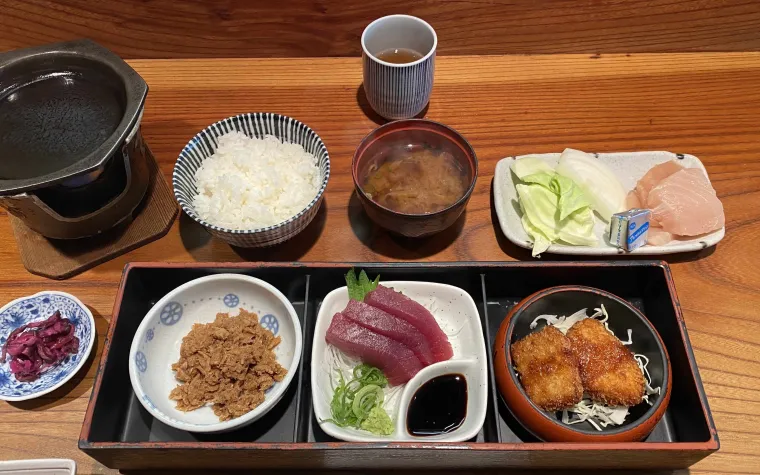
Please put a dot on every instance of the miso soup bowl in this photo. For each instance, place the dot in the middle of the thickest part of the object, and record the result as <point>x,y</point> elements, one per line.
<point>413,133</point>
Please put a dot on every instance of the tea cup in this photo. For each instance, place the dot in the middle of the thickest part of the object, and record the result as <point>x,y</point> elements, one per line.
<point>398,90</point>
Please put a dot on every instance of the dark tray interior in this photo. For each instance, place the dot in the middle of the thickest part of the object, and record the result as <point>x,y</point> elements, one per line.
<point>118,416</point>
<point>645,287</point>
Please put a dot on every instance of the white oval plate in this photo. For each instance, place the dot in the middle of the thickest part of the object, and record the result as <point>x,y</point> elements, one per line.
<point>454,309</point>
<point>629,167</point>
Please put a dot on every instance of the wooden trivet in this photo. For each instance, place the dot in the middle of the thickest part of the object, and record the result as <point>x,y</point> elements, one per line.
<point>61,259</point>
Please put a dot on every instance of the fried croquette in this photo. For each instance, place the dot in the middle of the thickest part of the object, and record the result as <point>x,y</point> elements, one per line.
<point>548,369</point>
<point>608,369</point>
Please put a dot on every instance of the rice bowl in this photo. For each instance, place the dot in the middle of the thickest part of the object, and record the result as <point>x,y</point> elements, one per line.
<point>251,183</point>
<point>236,178</point>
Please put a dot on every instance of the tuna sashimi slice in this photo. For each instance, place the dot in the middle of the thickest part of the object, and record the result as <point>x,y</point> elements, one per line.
<point>686,204</point>
<point>397,362</point>
<point>401,306</point>
<point>386,324</point>
<point>652,178</point>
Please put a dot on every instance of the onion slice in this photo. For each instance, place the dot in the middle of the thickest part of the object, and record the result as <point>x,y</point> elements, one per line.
<point>597,181</point>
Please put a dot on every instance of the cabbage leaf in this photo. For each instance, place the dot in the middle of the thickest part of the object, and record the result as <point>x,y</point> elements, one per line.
<point>554,207</point>
<point>530,165</point>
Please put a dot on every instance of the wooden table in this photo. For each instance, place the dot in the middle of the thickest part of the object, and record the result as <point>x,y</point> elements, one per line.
<point>704,104</point>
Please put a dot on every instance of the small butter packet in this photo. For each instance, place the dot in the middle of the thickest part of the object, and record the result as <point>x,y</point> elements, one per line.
<point>628,230</point>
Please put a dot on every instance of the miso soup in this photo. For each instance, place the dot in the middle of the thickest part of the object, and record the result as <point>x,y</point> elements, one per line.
<point>416,181</point>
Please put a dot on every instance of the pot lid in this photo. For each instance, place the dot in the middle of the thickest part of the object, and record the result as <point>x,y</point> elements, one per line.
<point>65,109</point>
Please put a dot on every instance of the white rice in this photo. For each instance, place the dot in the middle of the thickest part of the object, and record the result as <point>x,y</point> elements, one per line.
<point>253,183</point>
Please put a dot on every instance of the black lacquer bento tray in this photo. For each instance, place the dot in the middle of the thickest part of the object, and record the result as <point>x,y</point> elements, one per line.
<point>120,433</point>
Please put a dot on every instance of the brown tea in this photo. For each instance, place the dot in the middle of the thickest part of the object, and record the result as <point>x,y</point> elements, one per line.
<point>399,55</point>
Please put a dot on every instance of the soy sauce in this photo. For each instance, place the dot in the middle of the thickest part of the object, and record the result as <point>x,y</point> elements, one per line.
<point>438,407</point>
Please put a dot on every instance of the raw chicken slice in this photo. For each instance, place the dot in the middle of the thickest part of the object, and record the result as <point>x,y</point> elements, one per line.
<point>685,203</point>
<point>632,201</point>
<point>386,324</point>
<point>401,306</point>
<point>397,362</point>
<point>656,236</point>
<point>653,177</point>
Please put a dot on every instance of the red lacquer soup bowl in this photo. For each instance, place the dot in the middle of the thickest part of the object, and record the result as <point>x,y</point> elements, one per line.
<point>566,300</point>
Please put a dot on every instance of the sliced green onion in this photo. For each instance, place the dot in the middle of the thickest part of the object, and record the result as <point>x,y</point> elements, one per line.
<point>367,374</point>
<point>365,399</point>
<point>362,397</point>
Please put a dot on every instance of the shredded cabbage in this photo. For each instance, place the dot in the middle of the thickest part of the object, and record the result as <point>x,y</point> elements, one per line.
<point>563,323</point>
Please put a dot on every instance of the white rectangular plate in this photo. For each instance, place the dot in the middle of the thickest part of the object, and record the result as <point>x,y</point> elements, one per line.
<point>629,167</point>
<point>38,467</point>
<point>457,315</point>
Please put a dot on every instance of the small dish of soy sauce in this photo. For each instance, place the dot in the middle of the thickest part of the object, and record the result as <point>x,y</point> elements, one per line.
<point>438,407</point>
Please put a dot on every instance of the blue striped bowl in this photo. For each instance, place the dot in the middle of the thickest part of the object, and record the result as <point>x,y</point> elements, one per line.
<point>258,124</point>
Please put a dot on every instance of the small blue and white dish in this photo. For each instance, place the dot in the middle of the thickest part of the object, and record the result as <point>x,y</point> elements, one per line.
<point>258,125</point>
<point>39,307</point>
<point>158,339</point>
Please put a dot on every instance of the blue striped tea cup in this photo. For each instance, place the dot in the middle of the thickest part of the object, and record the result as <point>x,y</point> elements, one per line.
<point>398,91</point>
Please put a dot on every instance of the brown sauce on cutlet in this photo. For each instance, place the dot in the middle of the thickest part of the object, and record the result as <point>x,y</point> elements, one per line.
<point>608,370</point>
<point>548,369</point>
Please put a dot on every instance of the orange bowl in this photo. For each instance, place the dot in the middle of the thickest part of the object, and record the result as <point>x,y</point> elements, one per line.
<point>566,300</point>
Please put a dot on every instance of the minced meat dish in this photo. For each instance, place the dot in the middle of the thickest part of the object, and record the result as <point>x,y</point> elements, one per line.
<point>228,363</point>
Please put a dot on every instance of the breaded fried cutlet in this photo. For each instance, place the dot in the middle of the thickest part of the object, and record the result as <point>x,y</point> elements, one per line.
<point>608,369</point>
<point>548,369</point>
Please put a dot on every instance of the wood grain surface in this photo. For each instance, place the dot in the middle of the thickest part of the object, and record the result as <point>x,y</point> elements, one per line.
<point>319,28</point>
<point>705,104</point>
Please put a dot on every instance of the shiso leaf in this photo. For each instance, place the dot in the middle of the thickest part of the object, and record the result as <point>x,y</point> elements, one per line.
<point>363,281</point>
<point>359,287</point>
<point>353,285</point>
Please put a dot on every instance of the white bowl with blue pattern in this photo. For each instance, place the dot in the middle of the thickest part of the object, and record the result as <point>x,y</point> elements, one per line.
<point>38,307</point>
<point>255,125</point>
<point>156,344</point>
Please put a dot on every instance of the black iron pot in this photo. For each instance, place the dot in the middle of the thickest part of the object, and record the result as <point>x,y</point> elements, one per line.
<point>72,159</point>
